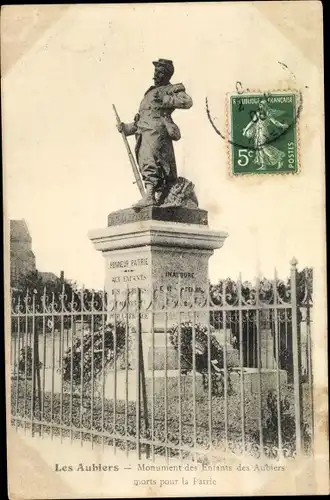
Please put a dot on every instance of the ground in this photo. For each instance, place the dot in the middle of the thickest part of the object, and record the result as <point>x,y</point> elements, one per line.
<point>76,417</point>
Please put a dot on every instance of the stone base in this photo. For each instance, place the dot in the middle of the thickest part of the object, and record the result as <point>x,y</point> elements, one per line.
<point>159,384</point>
<point>251,380</point>
<point>157,361</point>
<point>250,377</point>
<point>171,214</point>
<point>251,383</point>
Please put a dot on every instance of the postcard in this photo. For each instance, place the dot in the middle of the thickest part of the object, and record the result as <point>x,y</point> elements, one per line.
<point>165,242</point>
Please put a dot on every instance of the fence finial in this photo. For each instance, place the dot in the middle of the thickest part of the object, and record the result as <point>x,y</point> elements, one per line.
<point>294,262</point>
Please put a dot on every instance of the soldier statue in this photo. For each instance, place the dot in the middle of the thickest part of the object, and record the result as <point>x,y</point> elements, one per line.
<point>155,132</point>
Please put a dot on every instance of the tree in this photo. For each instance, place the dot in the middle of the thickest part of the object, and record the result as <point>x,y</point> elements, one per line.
<point>231,293</point>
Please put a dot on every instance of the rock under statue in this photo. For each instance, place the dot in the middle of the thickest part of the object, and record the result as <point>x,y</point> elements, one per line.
<point>155,132</point>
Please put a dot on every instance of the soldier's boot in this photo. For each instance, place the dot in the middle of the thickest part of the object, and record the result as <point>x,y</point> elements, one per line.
<point>148,198</point>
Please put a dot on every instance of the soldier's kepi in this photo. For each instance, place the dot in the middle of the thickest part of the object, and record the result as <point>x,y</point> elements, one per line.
<point>155,131</point>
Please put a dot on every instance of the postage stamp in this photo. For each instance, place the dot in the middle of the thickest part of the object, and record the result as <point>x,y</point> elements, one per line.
<point>262,132</point>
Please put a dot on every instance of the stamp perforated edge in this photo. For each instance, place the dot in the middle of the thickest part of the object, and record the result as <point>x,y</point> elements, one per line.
<point>298,105</point>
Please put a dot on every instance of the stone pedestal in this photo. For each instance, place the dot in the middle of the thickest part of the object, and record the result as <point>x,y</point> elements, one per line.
<point>267,378</point>
<point>164,251</point>
<point>267,349</point>
<point>224,337</point>
<point>266,381</point>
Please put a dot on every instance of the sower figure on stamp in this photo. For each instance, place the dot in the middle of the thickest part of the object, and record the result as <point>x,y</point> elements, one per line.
<point>155,131</point>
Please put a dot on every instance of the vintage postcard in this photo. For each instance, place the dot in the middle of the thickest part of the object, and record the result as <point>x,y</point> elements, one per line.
<point>165,270</point>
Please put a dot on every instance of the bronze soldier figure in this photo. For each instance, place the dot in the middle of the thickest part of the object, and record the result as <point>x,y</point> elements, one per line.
<point>155,131</point>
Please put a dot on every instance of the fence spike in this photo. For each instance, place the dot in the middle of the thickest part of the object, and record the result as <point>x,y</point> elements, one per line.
<point>294,262</point>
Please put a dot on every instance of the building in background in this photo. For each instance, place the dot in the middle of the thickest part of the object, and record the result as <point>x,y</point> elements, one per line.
<point>22,258</point>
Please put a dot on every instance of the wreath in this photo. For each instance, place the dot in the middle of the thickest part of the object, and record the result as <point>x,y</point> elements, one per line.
<point>85,358</point>
<point>185,336</point>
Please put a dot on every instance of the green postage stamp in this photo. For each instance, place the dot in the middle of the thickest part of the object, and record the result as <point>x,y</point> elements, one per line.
<point>263,133</point>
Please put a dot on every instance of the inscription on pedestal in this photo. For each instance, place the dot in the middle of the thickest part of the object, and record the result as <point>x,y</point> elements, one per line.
<point>130,270</point>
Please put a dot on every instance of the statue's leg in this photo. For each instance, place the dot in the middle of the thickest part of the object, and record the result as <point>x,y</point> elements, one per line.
<point>151,174</point>
<point>150,169</point>
<point>166,160</point>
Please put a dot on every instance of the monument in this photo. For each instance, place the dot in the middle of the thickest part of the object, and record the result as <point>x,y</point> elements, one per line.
<point>164,239</point>
<point>163,243</point>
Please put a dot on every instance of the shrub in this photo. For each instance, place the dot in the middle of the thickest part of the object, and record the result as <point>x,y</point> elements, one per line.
<point>287,421</point>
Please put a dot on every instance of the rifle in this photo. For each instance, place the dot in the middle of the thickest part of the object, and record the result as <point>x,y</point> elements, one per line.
<point>136,172</point>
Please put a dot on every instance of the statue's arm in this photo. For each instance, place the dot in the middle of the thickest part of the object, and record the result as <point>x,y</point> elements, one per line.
<point>177,98</point>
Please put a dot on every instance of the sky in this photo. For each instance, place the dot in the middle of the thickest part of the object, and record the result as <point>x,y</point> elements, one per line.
<point>66,167</point>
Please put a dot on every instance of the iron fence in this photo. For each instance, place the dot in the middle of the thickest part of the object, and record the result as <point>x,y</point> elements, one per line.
<point>184,371</point>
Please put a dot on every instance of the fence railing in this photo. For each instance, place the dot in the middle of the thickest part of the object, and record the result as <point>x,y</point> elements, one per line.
<point>185,371</point>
